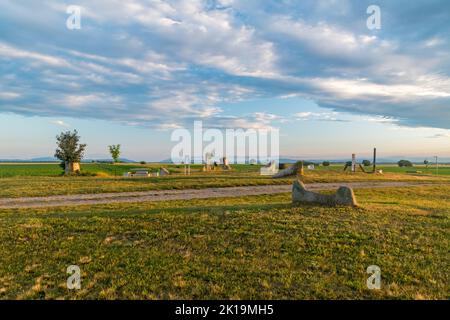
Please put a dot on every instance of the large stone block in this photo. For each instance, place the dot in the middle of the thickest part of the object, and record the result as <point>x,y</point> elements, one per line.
<point>343,197</point>
<point>72,167</point>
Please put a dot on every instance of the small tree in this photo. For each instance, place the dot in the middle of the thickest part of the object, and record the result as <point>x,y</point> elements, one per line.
<point>69,150</point>
<point>326,163</point>
<point>114,150</point>
<point>426,162</point>
<point>366,163</point>
<point>405,163</point>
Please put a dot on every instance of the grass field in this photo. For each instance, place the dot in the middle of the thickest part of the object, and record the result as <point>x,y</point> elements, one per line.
<point>242,248</point>
<point>254,247</point>
<point>22,180</point>
<point>103,169</point>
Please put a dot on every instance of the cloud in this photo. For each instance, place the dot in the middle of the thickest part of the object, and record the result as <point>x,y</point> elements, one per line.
<point>439,135</point>
<point>320,116</point>
<point>61,123</point>
<point>9,95</point>
<point>11,53</point>
<point>163,64</point>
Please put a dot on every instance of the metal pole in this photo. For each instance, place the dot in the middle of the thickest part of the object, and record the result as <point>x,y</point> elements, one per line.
<point>374,159</point>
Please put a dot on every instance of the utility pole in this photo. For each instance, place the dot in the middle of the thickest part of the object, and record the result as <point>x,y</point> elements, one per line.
<point>374,160</point>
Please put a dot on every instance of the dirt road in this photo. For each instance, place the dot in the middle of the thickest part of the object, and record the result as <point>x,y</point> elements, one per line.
<point>186,194</point>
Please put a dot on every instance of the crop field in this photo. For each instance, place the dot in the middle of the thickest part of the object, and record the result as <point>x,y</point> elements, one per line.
<point>101,169</point>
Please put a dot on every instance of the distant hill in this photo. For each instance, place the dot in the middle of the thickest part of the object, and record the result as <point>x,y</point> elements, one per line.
<point>53,159</point>
<point>124,160</point>
<point>44,159</point>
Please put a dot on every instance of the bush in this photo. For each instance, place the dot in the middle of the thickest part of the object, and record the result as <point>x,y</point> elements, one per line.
<point>366,163</point>
<point>348,163</point>
<point>326,163</point>
<point>405,163</point>
<point>306,163</point>
<point>282,166</point>
<point>143,162</point>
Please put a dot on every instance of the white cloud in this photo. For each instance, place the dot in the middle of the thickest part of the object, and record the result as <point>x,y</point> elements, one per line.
<point>9,95</point>
<point>162,63</point>
<point>15,53</point>
<point>61,123</point>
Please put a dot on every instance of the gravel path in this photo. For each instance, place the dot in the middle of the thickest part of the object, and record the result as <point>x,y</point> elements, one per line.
<point>186,194</point>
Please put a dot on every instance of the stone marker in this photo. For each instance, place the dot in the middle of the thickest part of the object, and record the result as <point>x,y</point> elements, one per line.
<point>295,169</point>
<point>225,164</point>
<point>72,167</point>
<point>343,197</point>
<point>163,172</point>
<point>270,169</point>
<point>290,171</point>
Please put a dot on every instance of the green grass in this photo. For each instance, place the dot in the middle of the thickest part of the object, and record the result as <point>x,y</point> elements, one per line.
<point>258,247</point>
<point>53,169</point>
<point>46,186</point>
<point>40,182</point>
<point>393,168</point>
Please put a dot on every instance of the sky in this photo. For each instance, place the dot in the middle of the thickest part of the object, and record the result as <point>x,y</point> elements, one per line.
<point>136,70</point>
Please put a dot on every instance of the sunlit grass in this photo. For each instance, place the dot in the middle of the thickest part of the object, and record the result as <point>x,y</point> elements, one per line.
<point>245,248</point>
<point>241,175</point>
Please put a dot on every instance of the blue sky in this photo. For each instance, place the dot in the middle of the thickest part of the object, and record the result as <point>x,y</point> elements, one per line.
<point>138,69</point>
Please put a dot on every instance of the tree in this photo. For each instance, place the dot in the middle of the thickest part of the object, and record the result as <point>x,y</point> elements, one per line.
<point>326,163</point>
<point>69,150</point>
<point>405,163</point>
<point>115,152</point>
<point>426,162</point>
<point>366,163</point>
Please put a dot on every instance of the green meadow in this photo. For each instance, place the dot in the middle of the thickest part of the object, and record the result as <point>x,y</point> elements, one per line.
<point>252,247</point>
<point>259,247</point>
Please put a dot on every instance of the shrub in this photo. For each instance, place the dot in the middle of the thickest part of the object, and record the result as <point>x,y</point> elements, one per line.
<point>282,166</point>
<point>326,163</point>
<point>143,162</point>
<point>366,163</point>
<point>405,163</point>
